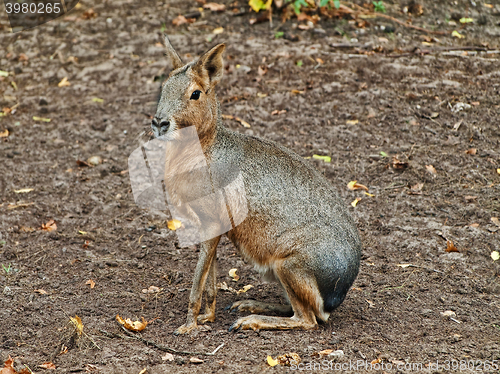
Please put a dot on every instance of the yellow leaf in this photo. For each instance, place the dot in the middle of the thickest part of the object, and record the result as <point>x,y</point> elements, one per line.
<point>64,82</point>
<point>97,100</point>
<point>24,190</point>
<point>14,85</point>
<point>244,289</point>
<point>352,122</point>
<point>82,232</point>
<point>456,34</point>
<point>324,158</point>
<point>232,274</point>
<point>77,322</point>
<point>355,202</point>
<point>35,118</point>
<point>5,133</point>
<point>4,73</point>
<point>495,255</point>
<point>174,224</point>
<point>353,185</point>
<point>259,94</point>
<point>466,20</point>
<point>271,361</point>
<point>218,30</point>
<point>91,283</point>
<point>143,371</point>
<point>257,5</point>
<point>369,194</point>
<point>498,170</point>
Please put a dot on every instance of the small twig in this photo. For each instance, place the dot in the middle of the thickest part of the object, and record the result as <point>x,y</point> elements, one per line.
<point>394,187</point>
<point>159,346</point>
<point>426,268</point>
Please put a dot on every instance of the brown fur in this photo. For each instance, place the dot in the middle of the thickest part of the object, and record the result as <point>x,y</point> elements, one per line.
<point>297,231</point>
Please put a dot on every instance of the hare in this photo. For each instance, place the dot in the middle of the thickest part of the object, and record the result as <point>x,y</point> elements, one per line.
<point>296,230</point>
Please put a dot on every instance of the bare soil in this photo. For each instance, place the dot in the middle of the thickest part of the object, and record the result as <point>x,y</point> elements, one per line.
<point>382,105</point>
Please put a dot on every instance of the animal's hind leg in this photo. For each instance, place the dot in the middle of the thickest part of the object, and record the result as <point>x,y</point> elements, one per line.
<point>254,306</point>
<point>304,297</point>
<point>210,294</point>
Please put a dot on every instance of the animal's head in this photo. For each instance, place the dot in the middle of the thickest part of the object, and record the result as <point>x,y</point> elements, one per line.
<point>188,95</point>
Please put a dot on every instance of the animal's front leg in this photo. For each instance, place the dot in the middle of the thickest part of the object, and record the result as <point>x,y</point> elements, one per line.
<point>207,254</point>
<point>210,294</point>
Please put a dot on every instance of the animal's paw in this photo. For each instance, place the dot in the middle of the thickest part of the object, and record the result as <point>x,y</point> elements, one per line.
<point>207,317</point>
<point>246,323</point>
<point>185,329</point>
<point>242,306</point>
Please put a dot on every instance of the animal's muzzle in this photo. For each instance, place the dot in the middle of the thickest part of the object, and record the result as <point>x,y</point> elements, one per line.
<point>159,126</point>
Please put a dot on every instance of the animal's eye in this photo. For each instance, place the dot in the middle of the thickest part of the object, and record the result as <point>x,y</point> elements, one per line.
<point>195,95</point>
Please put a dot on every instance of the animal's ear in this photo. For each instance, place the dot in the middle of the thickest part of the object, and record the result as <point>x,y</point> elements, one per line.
<point>174,57</point>
<point>210,66</point>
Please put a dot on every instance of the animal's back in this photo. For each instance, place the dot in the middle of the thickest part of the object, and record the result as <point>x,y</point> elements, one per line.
<point>292,211</point>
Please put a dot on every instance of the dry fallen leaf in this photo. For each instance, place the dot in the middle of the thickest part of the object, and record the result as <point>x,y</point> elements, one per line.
<point>271,361</point>
<point>232,274</point>
<point>89,14</point>
<point>4,133</point>
<point>262,70</point>
<point>288,359</point>
<point>133,326</point>
<point>195,360</point>
<point>91,283</point>
<point>450,247</point>
<point>48,366</point>
<point>215,7</point>
<point>448,313</point>
<point>41,292</point>
<point>325,352</point>
<point>471,151</point>
<point>399,165</point>
<point>49,226</point>
<point>229,116</point>
<point>174,224</point>
<point>469,198</point>
<point>8,367</point>
<point>354,185</point>
<point>416,189</point>
<point>181,20</point>
<point>168,357</point>
<point>496,221</point>
<point>218,30</point>
<point>64,83</point>
<point>431,169</point>
<point>151,289</point>
<point>352,122</point>
<point>278,112</point>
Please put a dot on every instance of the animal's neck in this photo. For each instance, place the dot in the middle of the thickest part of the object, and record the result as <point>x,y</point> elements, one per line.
<point>208,136</point>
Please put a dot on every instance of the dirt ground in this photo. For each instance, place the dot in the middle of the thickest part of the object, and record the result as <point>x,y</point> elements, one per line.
<point>385,106</point>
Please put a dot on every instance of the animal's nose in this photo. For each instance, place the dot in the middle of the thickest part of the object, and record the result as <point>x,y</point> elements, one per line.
<point>160,126</point>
